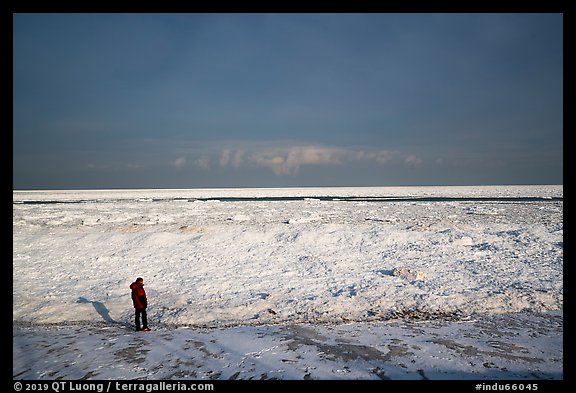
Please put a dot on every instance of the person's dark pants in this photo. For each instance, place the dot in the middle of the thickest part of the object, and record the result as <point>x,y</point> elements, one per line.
<point>141,311</point>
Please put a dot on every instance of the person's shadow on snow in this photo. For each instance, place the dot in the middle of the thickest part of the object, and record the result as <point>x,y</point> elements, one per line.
<point>99,307</point>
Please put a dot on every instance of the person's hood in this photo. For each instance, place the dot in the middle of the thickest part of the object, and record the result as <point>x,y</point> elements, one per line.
<point>135,284</point>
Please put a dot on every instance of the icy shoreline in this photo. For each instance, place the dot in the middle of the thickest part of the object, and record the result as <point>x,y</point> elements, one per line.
<point>296,261</point>
<point>270,264</point>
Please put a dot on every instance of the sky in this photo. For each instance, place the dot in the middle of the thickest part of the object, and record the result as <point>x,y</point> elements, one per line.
<point>163,100</point>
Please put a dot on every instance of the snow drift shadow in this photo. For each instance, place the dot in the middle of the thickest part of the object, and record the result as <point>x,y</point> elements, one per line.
<point>384,272</point>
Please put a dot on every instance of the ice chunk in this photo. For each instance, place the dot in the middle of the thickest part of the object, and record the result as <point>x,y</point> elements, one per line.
<point>409,274</point>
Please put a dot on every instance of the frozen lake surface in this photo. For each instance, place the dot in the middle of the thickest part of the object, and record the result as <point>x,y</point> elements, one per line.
<point>275,266</point>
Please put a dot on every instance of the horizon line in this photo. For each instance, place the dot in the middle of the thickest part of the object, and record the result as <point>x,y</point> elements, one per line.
<point>276,188</point>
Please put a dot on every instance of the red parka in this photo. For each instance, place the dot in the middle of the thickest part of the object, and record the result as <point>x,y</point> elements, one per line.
<point>138,295</point>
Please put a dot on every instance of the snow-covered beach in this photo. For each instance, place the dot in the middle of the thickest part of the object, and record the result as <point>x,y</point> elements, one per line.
<point>290,283</point>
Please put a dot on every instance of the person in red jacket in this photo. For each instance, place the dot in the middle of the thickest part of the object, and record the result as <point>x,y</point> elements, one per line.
<point>140,303</point>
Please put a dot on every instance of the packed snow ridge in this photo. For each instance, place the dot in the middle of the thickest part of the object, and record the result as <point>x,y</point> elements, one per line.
<point>268,261</point>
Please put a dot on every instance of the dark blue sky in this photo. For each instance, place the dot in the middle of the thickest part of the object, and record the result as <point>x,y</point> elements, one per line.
<point>271,100</point>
